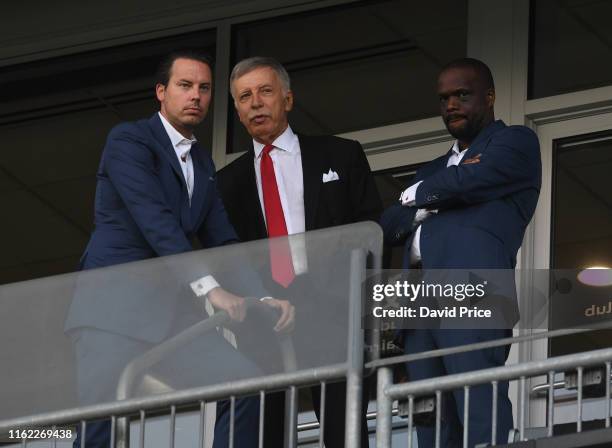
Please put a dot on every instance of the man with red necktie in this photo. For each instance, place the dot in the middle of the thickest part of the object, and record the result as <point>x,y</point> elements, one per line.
<point>287,184</point>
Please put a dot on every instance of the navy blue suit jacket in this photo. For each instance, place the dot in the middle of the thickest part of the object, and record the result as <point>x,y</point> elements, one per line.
<point>142,211</point>
<point>142,206</point>
<point>484,206</point>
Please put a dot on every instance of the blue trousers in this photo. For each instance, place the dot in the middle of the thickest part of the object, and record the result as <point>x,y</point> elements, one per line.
<point>480,403</point>
<point>101,357</point>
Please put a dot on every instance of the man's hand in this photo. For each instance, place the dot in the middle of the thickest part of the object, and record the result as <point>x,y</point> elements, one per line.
<point>408,196</point>
<point>286,321</point>
<point>226,301</point>
<point>421,215</point>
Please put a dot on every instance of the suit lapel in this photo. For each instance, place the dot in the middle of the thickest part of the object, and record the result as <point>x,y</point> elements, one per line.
<point>441,163</point>
<point>474,149</point>
<point>481,139</point>
<point>201,184</point>
<point>312,171</point>
<point>167,150</point>
<point>252,202</point>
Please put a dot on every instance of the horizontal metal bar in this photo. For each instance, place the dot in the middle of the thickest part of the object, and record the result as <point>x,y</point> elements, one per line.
<point>480,345</point>
<point>428,386</point>
<point>208,393</point>
<point>541,390</point>
<point>153,356</point>
<point>309,426</point>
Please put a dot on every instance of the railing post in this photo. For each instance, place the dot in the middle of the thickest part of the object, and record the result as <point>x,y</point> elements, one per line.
<point>354,374</point>
<point>291,417</point>
<point>123,433</point>
<point>383,409</point>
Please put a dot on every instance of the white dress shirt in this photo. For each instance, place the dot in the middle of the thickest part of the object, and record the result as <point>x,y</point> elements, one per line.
<point>408,198</point>
<point>287,160</point>
<point>182,148</point>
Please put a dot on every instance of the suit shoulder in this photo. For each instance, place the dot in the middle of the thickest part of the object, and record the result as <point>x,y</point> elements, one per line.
<point>129,129</point>
<point>132,136</point>
<point>520,133</point>
<point>130,139</point>
<point>237,170</point>
<point>236,165</point>
<point>328,139</point>
<point>331,145</point>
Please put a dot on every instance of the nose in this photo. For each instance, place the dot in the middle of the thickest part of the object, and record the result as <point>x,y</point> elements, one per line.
<point>452,103</point>
<point>195,94</point>
<point>256,102</point>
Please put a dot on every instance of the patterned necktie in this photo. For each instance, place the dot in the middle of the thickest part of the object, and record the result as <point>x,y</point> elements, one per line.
<point>280,251</point>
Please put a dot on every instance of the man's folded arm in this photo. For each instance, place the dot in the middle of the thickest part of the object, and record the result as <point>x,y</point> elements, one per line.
<point>510,163</point>
<point>397,223</point>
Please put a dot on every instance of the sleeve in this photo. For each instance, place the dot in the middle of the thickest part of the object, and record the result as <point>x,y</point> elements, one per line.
<point>130,166</point>
<point>365,199</point>
<point>408,196</point>
<point>397,223</point>
<point>510,163</point>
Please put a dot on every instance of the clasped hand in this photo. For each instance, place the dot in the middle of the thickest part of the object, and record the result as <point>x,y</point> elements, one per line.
<point>236,308</point>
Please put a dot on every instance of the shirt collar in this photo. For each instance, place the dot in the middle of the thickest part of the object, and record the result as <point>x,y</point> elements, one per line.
<point>456,149</point>
<point>285,141</point>
<point>176,138</point>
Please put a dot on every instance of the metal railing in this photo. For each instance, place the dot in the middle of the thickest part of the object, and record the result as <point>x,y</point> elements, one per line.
<point>414,392</point>
<point>121,411</point>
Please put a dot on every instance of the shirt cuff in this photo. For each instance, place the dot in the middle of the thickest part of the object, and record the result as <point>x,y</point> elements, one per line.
<point>408,196</point>
<point>204,285</point>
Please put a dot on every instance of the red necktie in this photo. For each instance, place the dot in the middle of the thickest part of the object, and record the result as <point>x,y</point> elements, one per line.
<point>280,251</point>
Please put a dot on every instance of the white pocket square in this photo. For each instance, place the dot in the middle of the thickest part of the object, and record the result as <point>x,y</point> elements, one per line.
<point>330,176</point>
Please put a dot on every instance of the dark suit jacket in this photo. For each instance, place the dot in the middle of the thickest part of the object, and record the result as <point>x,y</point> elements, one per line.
<point>350,199</point>
<point>142,211</point>
<point>142,207</point>
<point>484,206</point>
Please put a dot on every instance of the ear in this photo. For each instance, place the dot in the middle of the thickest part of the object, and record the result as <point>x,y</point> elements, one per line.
<point>490,98</point>
<point>160,92</point>
<point>288,101</point>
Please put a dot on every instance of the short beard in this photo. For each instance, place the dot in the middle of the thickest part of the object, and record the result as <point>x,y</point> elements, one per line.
<point>470,131</point>
<point>466,133</point>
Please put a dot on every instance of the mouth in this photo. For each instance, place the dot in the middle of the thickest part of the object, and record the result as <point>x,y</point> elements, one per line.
<point>258,119</point>
<point>455,119</point>
<point>193,110</point>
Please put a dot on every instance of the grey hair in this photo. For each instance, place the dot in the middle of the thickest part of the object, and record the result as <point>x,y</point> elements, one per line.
<point>248,65</point>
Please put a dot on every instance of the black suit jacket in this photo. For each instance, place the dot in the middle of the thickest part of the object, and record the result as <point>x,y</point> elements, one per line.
<point>351,198</point>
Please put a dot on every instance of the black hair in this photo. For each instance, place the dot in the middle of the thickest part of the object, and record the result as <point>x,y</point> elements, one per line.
<point>482,70</point>
<point>165,67</point>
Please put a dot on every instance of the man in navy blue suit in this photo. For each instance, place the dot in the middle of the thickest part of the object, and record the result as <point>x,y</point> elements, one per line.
<point>156,195</point>
<point>467,210</point>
